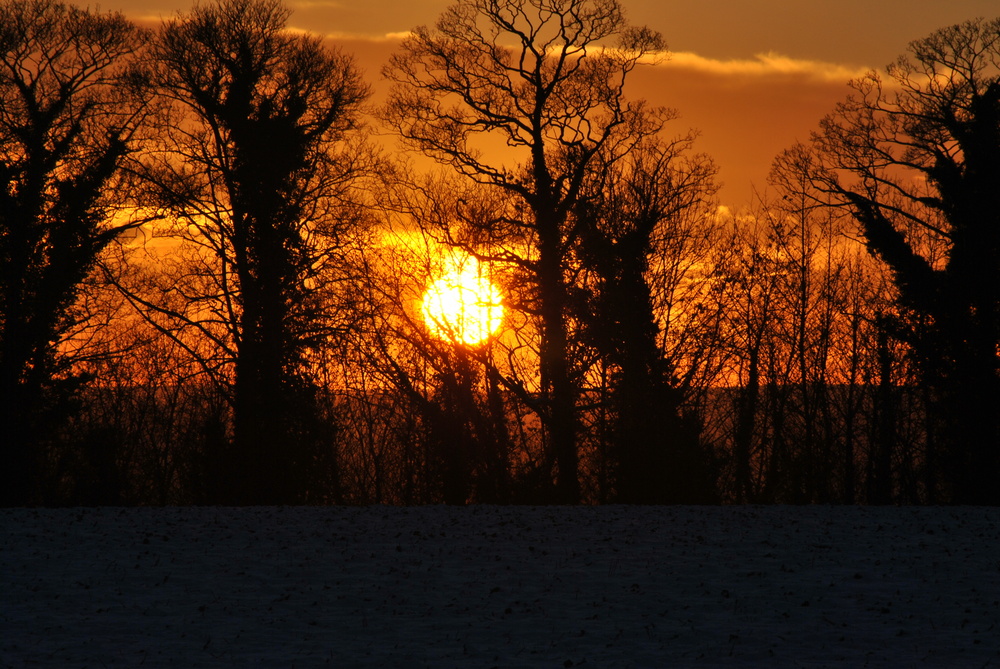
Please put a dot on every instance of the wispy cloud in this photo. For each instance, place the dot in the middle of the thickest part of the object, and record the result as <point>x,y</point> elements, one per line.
<point>361,37</point>
<point>763,65</point>
<point>389,37</point>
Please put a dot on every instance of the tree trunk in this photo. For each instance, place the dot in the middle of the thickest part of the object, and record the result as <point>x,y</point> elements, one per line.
<point>555,377</point>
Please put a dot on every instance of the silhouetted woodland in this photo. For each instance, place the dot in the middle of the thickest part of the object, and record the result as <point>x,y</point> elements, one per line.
<point>211,268</point>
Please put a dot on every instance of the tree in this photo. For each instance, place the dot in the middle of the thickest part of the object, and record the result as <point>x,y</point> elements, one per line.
<point>916,162</point>
<point>254,180</point>
<point>68,111</point>
<point>458,417</point>
<point>546,79</point>
<point>636,205</point>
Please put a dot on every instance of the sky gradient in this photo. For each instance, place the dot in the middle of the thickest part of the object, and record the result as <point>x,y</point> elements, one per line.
<point>753,76</point>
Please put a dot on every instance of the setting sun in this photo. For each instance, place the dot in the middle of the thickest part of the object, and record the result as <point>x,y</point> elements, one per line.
<point>463,306</point>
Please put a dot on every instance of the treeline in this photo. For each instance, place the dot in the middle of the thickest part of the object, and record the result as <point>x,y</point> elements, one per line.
<point>211,271</point>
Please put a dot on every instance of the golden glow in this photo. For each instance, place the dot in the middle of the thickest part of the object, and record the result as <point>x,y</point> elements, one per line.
<point>462,305</point>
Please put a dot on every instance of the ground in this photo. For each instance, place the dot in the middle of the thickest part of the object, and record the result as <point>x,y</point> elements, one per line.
<point>481,586</point>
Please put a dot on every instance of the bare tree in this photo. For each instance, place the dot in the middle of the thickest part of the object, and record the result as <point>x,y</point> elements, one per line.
<point>68,110</point>
<point>256,184</point>
<point>545,79</point>
<point>449,386</point>
<point>916,162</point>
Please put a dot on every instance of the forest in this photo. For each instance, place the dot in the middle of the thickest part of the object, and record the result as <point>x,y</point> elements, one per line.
<point>221,266</point>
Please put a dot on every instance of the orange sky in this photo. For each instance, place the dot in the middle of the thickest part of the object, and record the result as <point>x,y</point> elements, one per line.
<point>753,76</point>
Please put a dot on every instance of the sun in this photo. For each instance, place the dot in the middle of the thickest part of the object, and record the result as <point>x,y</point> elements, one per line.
<point>462,305</point>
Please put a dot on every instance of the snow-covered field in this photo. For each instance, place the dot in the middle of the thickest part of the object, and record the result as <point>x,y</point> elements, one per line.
<point>500,587</point>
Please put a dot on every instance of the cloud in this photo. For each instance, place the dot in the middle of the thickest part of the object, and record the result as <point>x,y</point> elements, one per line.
<point>763,65</point>
<point>342,36</point>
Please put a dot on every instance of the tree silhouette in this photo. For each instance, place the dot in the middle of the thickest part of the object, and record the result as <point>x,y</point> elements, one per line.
<point>67,114</point>
<point>637,202</point>
<point>536,76</point>
<point>252,172</point>
<point>917,165</point>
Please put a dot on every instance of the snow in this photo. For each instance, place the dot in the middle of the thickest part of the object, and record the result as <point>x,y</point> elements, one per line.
<point>504,587</point>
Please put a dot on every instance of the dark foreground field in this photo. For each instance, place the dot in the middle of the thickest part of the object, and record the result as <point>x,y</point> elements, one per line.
<point>500,587</point>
